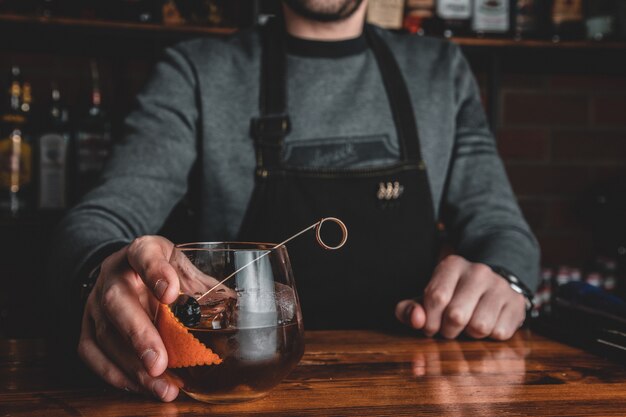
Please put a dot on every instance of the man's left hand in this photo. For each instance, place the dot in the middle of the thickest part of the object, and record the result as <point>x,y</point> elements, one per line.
<point>465,297</point>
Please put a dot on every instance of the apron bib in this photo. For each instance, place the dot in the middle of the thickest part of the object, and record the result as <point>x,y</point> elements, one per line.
<point>392,244</point>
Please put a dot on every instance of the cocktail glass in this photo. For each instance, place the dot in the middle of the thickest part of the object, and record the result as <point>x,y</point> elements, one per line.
<point>235,340</point>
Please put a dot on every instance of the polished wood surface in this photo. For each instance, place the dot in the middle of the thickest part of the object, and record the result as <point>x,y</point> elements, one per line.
<point>353,373</point>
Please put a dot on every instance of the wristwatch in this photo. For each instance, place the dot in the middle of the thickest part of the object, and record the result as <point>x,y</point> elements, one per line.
<point>515,284</point>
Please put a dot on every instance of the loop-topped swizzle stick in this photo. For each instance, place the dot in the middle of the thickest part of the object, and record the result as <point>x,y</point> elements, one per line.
<point>318,237</point>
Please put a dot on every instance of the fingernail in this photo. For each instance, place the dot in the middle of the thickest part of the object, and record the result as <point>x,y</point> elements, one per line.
<point>160,388</point>
<point>159,288</point>
<point>149,357</point>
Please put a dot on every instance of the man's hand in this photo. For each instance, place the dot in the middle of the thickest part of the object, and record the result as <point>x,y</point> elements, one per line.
<point>465,296</point>
<point>118,340</point>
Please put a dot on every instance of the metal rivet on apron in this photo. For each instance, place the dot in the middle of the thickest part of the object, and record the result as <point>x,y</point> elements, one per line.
<point>389,191</point>
<point>263,173</point>
<point>422,165</point>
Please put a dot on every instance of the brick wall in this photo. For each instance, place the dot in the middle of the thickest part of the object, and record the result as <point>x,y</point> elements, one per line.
<point>559,135</point>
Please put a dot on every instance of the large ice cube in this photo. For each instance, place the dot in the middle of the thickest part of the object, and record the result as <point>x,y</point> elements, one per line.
<point>286,302</point>
<point>218,310</point>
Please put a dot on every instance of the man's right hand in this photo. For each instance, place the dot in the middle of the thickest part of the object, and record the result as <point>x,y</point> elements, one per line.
<point>118,340</point>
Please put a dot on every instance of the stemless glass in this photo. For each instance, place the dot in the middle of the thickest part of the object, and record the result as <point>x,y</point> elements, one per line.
<point>252,321</point>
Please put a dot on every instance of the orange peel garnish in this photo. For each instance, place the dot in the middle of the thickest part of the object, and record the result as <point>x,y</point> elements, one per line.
<point>183,349</point>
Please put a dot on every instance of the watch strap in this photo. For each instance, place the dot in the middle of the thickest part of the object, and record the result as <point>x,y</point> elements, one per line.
<point>516,284</point>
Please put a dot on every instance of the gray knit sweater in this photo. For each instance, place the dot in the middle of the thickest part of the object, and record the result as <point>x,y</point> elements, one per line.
<point>208,90</point>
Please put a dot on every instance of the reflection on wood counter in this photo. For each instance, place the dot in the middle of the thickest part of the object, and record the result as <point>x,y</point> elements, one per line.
<point>355,373</point>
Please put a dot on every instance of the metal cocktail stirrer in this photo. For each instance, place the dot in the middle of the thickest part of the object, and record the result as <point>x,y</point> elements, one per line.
<point>317,226</point>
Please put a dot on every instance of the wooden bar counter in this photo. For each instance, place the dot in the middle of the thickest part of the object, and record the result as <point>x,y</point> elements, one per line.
<point>353,373</point>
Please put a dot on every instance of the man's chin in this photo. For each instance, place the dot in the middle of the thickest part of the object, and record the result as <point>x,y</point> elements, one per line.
<point>321,11</point>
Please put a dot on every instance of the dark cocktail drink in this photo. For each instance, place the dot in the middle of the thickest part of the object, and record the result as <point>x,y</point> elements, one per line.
<point>253,362</point>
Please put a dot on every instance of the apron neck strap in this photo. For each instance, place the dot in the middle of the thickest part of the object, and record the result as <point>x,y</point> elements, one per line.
<point>273,124</point>
<point>398,96</point>
<point>270,128</point>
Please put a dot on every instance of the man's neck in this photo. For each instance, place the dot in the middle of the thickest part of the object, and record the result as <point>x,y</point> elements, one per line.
<point>304,28</point>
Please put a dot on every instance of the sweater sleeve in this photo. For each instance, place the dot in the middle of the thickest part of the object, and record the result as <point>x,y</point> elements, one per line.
<point>479,208</point>
<point>143,180</point>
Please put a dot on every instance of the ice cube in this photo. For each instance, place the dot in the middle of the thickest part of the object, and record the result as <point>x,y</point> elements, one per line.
<point>217,311</point>
<point>286,302</point>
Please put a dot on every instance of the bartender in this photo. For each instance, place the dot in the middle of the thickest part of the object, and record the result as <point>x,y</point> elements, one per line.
<point>314,114</point>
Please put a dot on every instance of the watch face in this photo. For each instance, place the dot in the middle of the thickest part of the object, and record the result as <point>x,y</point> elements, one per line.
<point>516,288</point>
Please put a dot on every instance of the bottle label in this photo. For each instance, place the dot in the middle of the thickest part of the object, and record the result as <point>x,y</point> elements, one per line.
<point>454,9</point>
<point>53,171</point>
<point>15,119</point>
<point>93,150</point>
<point>599,27</point>
<point>386,13</point>
<point>491,16</point>
<point>15,162</point>
<point>567,11</point>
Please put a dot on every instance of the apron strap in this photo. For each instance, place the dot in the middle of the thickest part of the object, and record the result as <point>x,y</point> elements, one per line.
<point>398,96</point>
<point>273,124</point>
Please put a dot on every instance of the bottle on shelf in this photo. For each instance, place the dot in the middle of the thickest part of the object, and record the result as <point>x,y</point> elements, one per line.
<point>601,20</point>
<point>567,20</point>
<point>15,147</point>
<point>455,16</point>
<point>92,139</point>
<point>386,13</point>
<point>53,147</point>
<point>170,14</point>
<point>420,17</point>
<point>213,13</point>
<point>530,19</point>
<point>492,18</point>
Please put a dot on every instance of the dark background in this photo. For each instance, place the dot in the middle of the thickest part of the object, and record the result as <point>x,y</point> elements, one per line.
<point>558,113</point>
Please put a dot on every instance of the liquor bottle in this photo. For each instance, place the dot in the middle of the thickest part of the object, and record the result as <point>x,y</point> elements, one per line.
<point>53,146</point>
<point>171,16</point>
<point>601,21</point>
<point>455,16</point>
<point>491,18</point>
<point>92,139</point>
<point>567,20</point>
<point>15,148</point>
<point>420,17</point>
<point>214,13</point>
<point>386,13</point>
<point>531,19</point>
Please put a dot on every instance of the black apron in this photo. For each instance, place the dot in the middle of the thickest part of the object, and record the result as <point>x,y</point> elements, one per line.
<point>392,244</point>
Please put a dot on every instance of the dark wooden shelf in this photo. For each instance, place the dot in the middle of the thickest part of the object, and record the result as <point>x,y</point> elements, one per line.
<point>543,44</point>
<point>96,24</point>
<point>183,31</point>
